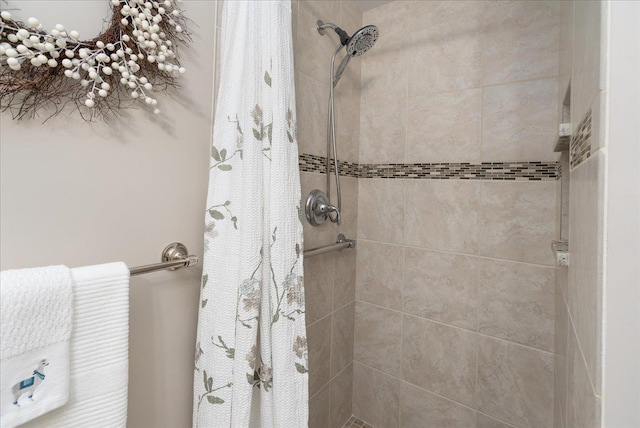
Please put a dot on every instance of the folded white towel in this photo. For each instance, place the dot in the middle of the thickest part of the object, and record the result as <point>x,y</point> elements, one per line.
<point>99,351</point>
<point>36,318</point>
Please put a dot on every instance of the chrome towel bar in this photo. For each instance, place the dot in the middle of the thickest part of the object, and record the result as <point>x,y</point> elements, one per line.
<point>174,256</point>
<point>341,244</point>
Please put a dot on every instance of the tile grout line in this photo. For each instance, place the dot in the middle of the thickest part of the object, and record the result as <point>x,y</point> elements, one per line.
<point>458,328</point>
<point>437,250</point>
<point>582,357</point>
<point>470,88</point>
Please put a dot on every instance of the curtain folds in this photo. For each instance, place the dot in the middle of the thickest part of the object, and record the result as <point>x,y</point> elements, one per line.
<point>251,346</point>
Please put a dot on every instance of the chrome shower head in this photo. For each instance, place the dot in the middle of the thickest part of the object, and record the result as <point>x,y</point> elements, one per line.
<point>362,40</point>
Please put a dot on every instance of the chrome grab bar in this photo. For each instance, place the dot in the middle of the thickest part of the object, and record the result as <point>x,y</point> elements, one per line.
<point>341,243</point>
<point>176,256</point>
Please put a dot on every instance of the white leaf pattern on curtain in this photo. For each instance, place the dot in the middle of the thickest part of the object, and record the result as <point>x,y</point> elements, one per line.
<point>251,327</point>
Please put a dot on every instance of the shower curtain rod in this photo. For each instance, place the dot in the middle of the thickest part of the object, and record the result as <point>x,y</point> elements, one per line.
<point>176,256</point>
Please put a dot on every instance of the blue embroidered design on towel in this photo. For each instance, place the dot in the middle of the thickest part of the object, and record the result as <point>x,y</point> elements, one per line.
<point>30,384</point>
<point>27,382</point>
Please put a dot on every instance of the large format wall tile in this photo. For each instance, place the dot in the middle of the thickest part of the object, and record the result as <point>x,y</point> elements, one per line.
<point>520,41</point>
<point>319,408</point>
<point>439,64</point>
<point>518,220</point>
<point>560,356</point>
<point>515,302</point>
<point>441,286</point>
<point>350,21</point>
<point>347,109</point>
<point>384,69</point>
<point>311,114</point>
<point>515,383</point>
<point>439,358</point>
<point>383,126</point>
<point>420,408</point>
<point>341,397</point>
<point>344,284</point>
<point>319,342</point>
<point>586,273</point>
<point>342,338</point>
<point>519,121</point>
<point>444,127</point>
<point>389,18</point>
<point>379,278</point>
<point>381,210</point>
<point>589,53</point>
<point>313,51</point>
<point>442,214</point>
<point>566,22</point>
<point>378,338</point>
<point>484,421</point>
<point>446,19</point>
<point>583,406</point>
<point>318,286</point>
<point>376,398</point>
<point>470,93</point>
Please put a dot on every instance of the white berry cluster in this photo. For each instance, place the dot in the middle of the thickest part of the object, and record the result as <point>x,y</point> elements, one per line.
<point>141,38</point>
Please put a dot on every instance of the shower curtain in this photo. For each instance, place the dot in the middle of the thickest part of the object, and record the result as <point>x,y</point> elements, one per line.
<point>251,346</point>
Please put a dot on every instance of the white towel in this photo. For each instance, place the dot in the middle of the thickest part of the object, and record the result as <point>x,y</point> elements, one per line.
<point>99,351</point>
<point>36,317</point>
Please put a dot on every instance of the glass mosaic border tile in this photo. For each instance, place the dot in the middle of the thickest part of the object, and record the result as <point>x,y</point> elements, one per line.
<point>580,146</point>
<point>506,171</point>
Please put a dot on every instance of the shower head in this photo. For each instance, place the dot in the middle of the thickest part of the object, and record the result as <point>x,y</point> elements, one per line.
<point>362,40</point>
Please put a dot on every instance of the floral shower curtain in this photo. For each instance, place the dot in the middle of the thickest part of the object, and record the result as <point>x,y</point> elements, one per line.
<point>252,346</point>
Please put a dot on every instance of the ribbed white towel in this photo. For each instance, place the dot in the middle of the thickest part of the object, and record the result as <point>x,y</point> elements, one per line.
<point>99,351</point>
<point>36,307</point>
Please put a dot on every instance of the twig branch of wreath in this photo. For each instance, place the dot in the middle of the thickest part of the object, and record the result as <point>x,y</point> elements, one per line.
<point>132,59</point>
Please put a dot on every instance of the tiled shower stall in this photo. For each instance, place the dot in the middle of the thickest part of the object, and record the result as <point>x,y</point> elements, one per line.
<point>451,311</point>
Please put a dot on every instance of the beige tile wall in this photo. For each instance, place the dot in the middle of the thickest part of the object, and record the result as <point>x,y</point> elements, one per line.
<point>579,288</point>
<point>454,321</point>
<point>330,278</point>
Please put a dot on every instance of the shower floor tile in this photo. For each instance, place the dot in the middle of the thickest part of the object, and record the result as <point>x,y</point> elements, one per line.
<point>354,422</point>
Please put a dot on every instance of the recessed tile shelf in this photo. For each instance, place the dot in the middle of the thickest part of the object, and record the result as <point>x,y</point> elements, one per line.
<point>564,138</point>
<point>561,252</point>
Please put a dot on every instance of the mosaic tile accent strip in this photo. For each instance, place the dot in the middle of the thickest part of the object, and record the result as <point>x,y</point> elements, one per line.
<point>506,171</point>
<point>354,422</point>
<point>313,163</point>
<point>580,146</point>
<point>523,171</point>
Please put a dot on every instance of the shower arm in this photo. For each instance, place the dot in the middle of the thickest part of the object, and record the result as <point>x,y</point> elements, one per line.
<point>344,36</point>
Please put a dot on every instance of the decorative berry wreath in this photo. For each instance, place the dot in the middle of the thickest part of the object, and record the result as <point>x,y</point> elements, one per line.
<point>129,61</point>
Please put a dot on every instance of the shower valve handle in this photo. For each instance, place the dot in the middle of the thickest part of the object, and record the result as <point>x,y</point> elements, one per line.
<point>318,209</point>
<point>329,210</point>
